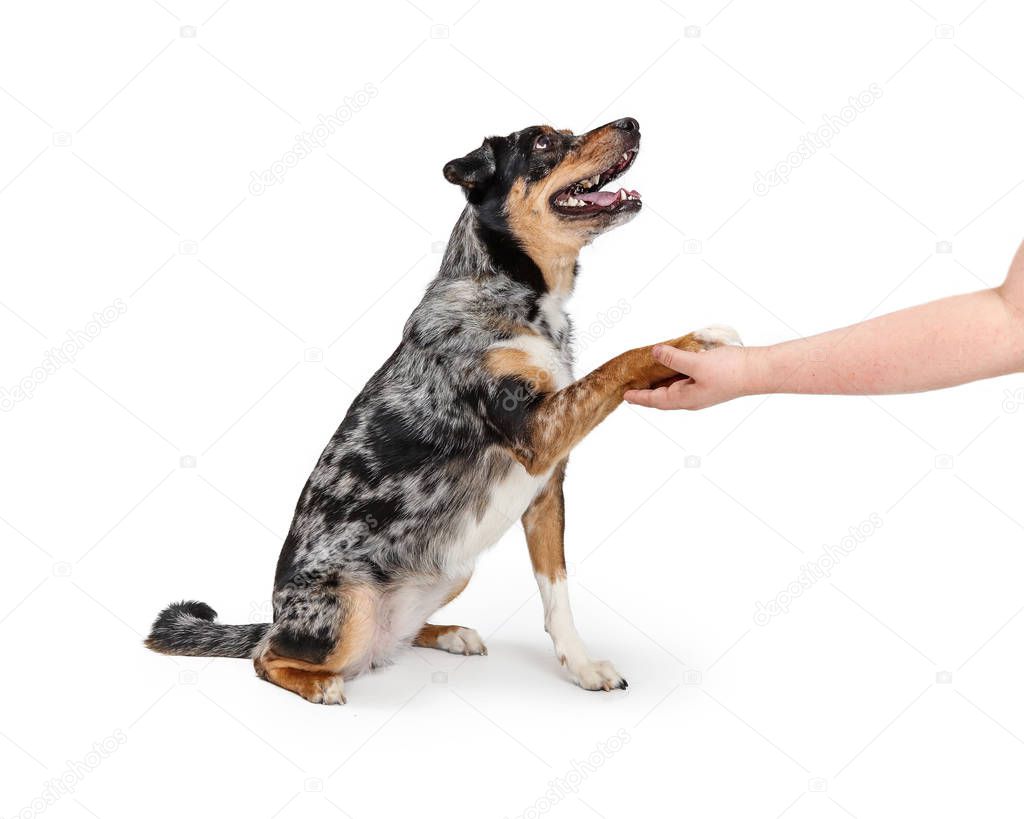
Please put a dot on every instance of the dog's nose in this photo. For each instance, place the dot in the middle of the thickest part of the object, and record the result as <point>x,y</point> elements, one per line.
<point>627,124</point>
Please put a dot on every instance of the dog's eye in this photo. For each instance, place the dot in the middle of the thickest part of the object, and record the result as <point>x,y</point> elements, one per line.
<point>542,143</point>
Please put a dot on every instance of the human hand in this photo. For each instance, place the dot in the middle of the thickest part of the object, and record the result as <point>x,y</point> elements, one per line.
<point>710,377</point>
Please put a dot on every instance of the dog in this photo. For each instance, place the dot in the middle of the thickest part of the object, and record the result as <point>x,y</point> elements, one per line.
<point>464,430</point>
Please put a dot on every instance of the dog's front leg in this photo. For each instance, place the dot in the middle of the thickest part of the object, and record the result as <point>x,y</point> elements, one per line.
<point>544,523</point>
<point>554,423</point>
<point>562,419</point>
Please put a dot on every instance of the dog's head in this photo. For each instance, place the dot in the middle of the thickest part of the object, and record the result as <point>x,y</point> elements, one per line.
<point>543,187</point>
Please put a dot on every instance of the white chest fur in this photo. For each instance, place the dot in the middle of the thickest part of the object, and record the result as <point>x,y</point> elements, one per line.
<point>543,356</point>
<point>543,359</point>
<point>505,505</point>
<point>552,307</point>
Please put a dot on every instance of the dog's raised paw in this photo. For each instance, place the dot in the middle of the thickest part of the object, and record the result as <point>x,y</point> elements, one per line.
<point>461,641</point>
<point>718,335</point>
<point>597,675</point>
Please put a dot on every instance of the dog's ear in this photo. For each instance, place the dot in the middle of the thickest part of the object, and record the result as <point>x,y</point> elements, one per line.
<point>474,170</point>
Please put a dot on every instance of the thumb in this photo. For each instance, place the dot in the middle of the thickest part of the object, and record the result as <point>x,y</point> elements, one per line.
<point>679,360</point>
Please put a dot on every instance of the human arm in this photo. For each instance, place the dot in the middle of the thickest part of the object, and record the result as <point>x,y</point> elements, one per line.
<point>939,344</point>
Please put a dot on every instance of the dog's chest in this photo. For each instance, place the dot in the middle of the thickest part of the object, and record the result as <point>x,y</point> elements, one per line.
<point>503,506</point>
<point>547,347</point>
<point>549,360</point>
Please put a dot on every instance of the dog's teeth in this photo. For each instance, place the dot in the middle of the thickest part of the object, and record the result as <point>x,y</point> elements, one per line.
<point>622,194</point>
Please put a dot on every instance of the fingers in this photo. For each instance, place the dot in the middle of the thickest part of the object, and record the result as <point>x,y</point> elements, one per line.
<point>678,360</point>
<point>679,395</point>
<point>656,399</point>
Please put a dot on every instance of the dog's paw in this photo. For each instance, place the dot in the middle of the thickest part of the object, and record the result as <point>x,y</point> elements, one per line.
<point>596,675</point>
<point>461,641</point>
<point>329,691</point>
<point>718,335</point>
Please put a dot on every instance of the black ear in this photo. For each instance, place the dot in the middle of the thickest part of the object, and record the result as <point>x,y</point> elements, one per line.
<point>473,170</point>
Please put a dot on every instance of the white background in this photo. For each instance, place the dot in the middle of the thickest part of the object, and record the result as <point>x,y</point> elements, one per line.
<point>125,173</point>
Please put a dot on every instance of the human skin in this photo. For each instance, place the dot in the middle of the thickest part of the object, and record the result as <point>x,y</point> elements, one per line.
<point>928,347</point>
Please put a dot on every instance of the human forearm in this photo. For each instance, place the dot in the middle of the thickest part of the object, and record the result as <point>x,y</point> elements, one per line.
<point>935,345</point>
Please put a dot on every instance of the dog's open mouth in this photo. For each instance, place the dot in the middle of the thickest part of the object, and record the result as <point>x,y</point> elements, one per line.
<point>585,197</point>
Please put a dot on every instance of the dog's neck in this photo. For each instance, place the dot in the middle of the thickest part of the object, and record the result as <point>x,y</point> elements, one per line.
<point>557,266</point>
<point>491,279</point>
<point>479,247</point>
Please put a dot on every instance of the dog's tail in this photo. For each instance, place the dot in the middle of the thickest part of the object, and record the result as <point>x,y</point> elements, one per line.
<point>190,628</point>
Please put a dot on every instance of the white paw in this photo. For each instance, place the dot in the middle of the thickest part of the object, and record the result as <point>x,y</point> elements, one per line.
<point>461,641</point>
<point>330,692</point>
<point>596,675</point>
<point>718,335</point>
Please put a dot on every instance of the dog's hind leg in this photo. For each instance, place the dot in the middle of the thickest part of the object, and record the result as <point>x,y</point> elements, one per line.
<point>453,639</point>
<point>544,523</point>
<point>320,634</point>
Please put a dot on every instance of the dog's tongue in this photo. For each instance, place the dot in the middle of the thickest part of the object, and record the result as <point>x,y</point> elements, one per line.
<point>605,198</point>
<point>602,198</point>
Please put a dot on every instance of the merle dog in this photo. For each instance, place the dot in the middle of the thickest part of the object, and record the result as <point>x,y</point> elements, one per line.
<point>464,430</point>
